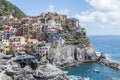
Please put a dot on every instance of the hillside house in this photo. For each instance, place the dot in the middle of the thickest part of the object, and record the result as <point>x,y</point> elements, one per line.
<point>42,48</point>
<point>17,44</point>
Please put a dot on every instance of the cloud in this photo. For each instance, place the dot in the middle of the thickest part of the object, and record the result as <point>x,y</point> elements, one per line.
<point>99,17</point>
<point>63,11</point>
<point>51,8</point>
<point>105,5</point>
<point>102,27</point>
<point>105,16</point>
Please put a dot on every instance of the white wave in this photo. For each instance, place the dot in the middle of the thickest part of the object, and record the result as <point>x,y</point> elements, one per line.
<point>65,72</point>
<point>108,56</point>
<point>98,53</point>
<point>73,77</point>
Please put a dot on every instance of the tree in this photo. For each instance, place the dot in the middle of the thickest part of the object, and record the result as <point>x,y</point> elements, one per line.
<point>83,31</point>
<point>9,53</point>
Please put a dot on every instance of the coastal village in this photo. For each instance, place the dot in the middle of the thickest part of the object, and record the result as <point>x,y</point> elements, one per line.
<point>29,39</point>
<point>35,34</point>
<point>41,47</point>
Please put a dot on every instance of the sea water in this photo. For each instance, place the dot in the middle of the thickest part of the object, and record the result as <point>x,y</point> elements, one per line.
<point>110,45</point>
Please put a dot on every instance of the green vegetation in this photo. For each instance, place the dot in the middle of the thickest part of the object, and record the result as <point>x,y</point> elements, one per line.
<point>67,28</point>
<point>70,28</point>
<point>9,53</point>
<point>8,8</point>
<point>78,39</point>
<point>1,28</point>
<point>83,31</point>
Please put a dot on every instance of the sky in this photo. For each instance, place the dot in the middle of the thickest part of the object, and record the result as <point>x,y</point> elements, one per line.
<point>99,17</point>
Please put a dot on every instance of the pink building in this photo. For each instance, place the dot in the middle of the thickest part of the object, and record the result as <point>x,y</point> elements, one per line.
<point>17,44</point>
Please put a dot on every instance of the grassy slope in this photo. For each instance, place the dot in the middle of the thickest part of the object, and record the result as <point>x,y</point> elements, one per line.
<point>8,8</point>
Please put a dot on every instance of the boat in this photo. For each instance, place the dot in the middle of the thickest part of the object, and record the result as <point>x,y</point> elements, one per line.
<point>65,72</point>
<point>77,65</point>
<point>85,78</point>
<point>95,70</point>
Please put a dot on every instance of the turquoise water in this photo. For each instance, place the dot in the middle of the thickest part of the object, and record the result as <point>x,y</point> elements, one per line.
<point>107,44</point>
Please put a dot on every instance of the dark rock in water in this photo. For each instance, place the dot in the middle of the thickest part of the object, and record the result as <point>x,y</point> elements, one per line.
<point>102,56</point>
<point>104,61</point>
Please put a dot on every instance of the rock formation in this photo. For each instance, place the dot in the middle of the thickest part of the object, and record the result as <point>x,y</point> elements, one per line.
<point>107,62</point>
<point>49,72</point>
<point>60,54</point>
<point>43,72</point>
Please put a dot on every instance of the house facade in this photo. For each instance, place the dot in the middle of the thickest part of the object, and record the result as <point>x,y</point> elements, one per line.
<point>17,44</point>
<point>42,48</point>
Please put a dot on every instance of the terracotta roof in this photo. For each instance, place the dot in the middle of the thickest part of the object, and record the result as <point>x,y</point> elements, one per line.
<point>31,40</point>
<point>6,30</point>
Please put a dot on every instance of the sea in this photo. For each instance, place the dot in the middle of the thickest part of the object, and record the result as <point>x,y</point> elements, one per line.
<point>110,45</point>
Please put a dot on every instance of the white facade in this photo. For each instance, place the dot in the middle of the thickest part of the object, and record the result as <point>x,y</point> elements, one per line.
<point>42,48</point>
<point>51,24</point>
<point>5,44</point>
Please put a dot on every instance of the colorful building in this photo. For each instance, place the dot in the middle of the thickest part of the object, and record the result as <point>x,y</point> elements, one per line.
<point>17,44</point>
<point>42,48</point>
<point>73,22</point>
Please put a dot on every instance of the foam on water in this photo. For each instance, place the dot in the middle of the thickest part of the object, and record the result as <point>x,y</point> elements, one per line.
<point>108,56</point>
<point>73,77</point>
<point>110,45</point>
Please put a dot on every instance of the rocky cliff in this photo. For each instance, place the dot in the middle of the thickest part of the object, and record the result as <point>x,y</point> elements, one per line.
<point>69,53</point>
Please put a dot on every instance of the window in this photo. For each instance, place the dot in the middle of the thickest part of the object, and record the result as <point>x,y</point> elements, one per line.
<point>18,44</point>
<point>19,39</point>
<point>25,29</point>
<point>30,27</point>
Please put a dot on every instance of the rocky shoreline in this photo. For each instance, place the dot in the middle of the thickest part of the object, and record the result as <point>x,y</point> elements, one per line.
<point>52,71</point>
<point>43,72</point>
<point>77,63</point>
<point>102,59</point>
<point>61,56</point>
